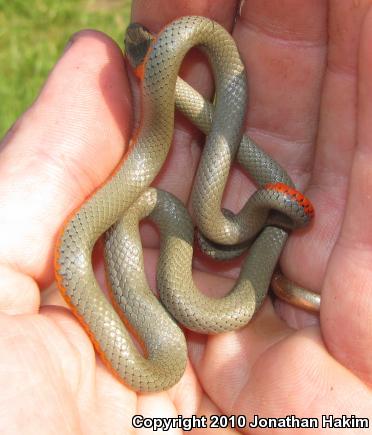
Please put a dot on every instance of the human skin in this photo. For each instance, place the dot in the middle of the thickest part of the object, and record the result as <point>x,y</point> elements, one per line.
<point>309,65</point>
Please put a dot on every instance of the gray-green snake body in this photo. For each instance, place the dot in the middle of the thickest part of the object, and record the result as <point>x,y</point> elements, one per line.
<point>126,198</point>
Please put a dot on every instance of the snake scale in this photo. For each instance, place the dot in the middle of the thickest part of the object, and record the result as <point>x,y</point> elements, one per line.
<point>158,360</point>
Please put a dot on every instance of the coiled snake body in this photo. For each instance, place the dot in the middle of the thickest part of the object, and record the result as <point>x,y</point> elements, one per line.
<point>126,198</point>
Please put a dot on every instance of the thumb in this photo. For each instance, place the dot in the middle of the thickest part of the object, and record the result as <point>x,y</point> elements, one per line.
<point>60,150</point>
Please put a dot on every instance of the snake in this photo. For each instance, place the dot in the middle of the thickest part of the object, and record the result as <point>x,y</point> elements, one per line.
<point>138,336</point>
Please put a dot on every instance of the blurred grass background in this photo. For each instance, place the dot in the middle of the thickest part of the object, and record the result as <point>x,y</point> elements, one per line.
<point>33,34</point>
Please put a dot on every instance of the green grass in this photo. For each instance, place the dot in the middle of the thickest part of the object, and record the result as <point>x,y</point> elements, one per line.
<point>33,34</point>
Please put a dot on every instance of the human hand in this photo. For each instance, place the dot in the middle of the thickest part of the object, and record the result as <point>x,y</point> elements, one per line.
<point>303,89</point>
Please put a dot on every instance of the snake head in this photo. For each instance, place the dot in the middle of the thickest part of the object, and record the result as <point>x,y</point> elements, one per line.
<point>137,42</point>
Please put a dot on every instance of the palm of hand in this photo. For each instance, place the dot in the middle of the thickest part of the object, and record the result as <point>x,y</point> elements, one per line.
<point>70,140</point>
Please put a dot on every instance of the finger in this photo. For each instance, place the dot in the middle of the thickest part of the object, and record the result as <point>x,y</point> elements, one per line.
<point>27,364</point>
<point>283,45</point>
<point>61,149</point>
<point>335,147</point>
<point>296,376</point>
<point>347,295</point>
<point>85,375</point>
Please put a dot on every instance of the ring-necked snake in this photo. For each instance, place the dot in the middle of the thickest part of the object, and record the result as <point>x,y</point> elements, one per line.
<point>117,207</point>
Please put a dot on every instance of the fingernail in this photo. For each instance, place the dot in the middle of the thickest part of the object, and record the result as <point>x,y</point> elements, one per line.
<point>68,45</point>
